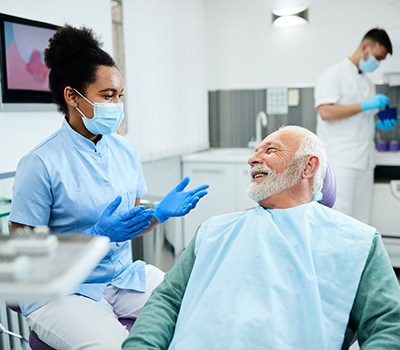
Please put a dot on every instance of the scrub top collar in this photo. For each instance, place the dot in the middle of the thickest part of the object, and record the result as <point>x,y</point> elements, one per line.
<point>352,65</point>
<point>80,142</point>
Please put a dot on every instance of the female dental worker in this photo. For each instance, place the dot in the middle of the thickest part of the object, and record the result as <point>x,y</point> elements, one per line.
<point>84,178</point>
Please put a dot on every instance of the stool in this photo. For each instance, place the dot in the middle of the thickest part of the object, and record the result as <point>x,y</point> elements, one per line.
<point>36,344</point>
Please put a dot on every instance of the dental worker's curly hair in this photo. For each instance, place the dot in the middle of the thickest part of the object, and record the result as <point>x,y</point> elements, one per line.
<point>311,145</point>
<point>73,56</point>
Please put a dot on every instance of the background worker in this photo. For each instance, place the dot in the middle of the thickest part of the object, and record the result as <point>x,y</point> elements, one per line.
<point>347,103</point>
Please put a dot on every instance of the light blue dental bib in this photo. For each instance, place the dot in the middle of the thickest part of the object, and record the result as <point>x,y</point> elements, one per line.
<point>278,279</point>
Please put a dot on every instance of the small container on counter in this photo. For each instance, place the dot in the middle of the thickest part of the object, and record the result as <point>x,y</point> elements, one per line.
<point>382,146</point>
<point>394,146</point>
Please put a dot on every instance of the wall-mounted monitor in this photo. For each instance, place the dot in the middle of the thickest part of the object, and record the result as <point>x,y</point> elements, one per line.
<point>24,75</point>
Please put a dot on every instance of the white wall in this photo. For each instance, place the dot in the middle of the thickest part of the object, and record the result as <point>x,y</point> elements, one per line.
<point>245,51</point>
<point>22,130</point>
<point>177,50</point>
<point>166,92</point>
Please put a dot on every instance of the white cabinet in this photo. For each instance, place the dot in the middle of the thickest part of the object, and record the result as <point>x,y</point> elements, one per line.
<point>227,193</point>
<point>386,203</point>
<point>242,182</point>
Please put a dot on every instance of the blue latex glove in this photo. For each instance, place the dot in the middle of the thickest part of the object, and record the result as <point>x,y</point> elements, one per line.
<point>121,227</point>
<point>378,101</point>
<point>177,202</point>
<point>386,124</point>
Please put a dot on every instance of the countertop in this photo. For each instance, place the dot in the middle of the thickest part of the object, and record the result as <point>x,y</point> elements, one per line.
<point>388,158</point>
<point>220,155</point>
<point>241,155</point>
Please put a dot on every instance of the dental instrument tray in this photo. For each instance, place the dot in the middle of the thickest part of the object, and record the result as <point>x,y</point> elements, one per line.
<point>30,243</point>
<point>14,267</point>
<point>51,266</point>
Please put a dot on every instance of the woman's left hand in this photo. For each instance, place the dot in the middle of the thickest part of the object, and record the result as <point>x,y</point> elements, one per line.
<point>177,202</point>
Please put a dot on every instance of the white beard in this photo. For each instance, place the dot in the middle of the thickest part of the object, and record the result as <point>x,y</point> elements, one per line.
<point>274,182</point>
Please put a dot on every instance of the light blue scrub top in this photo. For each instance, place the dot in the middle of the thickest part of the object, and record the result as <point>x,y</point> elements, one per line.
<point>66,182</point>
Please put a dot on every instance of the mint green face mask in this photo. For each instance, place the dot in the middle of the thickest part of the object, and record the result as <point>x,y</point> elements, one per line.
<point>107,117</point>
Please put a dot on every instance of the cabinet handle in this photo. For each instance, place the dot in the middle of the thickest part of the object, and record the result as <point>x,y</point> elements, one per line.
<point>209,171</point>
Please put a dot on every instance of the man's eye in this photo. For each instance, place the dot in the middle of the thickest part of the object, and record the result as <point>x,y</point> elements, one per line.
<point>270,150</point>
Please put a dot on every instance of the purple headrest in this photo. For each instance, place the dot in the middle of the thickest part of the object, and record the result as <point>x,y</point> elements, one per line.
<point>329,188</point>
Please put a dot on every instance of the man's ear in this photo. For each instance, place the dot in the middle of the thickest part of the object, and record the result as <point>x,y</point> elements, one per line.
<point>70,96</point>
<point>364,46</point>
<point>311,166</point>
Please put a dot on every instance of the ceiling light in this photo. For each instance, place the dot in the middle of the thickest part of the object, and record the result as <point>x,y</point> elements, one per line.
<point>288,17</point>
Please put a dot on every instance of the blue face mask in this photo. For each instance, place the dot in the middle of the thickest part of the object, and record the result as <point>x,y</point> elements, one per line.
<point>368,65</point>
<point>107,117</point>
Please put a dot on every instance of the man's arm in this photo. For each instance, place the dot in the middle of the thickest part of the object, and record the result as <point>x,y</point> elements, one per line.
<point>376,310</point>
<point>336,112</point>
<point>155,325</point>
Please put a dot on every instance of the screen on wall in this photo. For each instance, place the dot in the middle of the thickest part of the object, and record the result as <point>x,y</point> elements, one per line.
<point>24,75</point>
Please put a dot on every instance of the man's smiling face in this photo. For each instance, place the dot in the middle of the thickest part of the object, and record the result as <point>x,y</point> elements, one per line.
<point>274,167</point>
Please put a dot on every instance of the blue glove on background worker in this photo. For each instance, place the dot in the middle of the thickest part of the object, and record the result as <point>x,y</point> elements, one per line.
<point>121,227</point>
<point>378,101</point>
<point>177,202</point>
<point>386,124</point>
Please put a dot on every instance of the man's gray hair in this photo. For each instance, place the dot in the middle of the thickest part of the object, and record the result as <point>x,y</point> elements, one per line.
<point>311,145</point>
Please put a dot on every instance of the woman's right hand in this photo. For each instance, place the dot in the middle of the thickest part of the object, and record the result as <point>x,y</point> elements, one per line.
<point>121,227</point>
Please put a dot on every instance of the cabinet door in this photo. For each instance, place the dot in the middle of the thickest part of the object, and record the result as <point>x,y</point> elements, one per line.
<point>220,198</point>
<point>242,183</point>
<point>385,208</point>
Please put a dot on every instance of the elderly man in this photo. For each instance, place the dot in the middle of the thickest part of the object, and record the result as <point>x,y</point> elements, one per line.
<point>288,274</point>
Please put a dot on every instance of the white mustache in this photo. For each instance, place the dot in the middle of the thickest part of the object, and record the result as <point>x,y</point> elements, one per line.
<point>260,168</point>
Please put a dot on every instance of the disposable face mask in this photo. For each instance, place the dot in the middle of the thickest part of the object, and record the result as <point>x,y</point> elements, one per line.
<point>368,65</point>
<point>107,117</point>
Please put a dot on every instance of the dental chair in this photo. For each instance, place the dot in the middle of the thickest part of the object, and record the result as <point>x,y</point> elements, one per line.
<point>328,199</point>
<point>328,188</point>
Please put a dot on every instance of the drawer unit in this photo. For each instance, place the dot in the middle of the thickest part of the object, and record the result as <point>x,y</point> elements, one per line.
<point>385,214</point>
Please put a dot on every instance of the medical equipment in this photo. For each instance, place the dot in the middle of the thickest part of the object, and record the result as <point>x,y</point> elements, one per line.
<point>35,266</point>
<point>26,242</point>
<point>14,267</point>
<point>54,272</point>
<point>16,335</point>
